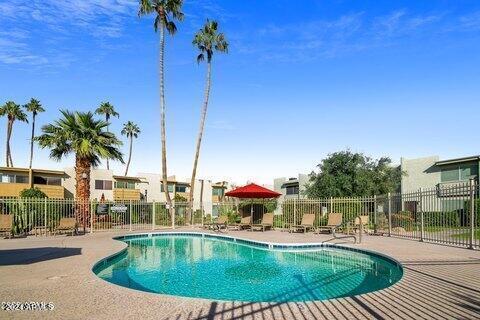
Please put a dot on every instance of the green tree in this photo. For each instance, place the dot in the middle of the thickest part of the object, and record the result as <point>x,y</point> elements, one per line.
<point>348,174</point>
<point>108,110</point>
<point>34,107</point>
<point>166,11</point>
<point>207,40</point>
<point>131,130</point>
<point>79,133</point>
<point>13,112</point>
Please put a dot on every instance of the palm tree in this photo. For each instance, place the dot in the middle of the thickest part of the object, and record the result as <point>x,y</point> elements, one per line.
<point>166,11</point>
<point>79,133</point>
<point>35,108</point>
<point>131,130</point>
<point>207,40</point>
<point>13,112</point>
<point>107,109</point>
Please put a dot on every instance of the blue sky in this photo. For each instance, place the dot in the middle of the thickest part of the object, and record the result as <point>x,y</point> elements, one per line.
<point>301,80</point>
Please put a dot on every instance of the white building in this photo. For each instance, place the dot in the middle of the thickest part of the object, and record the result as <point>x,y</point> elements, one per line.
<point>206,193</point>
<point>291,188</point>
<point>104,184</point>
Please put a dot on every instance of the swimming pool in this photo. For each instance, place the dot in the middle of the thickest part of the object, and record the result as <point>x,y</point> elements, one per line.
<point>225,268</point>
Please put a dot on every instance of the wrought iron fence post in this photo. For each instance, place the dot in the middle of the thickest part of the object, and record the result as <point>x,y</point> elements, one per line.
<point>422,221</point>
<point>92,206</point>
<point>153,215</point>
<point>375,213</point>
<point>295,211</point>
<point>45,215</point>
<point>472,214</point>
<point>389,215</point>
<point>130,214</point>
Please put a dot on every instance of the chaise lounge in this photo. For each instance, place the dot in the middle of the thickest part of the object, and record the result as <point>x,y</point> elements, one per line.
<point>306,224</point>
<point>335,220</point>
<point>267,223</point>
<point>6,224</point>
<point>66,225</point>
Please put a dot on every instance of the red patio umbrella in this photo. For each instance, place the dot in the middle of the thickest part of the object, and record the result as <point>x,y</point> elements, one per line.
<point>252,191</point>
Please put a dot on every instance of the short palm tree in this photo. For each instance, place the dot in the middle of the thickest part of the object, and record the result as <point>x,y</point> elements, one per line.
<point>166,12</point>
<point>13,112</point>
<point>131,130</point>
<point>79,133</point>
<point>207,40</point>
<point>108,110</point>
<point>35,108</point>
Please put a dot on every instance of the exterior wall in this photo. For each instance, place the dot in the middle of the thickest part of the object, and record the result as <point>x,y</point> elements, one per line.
<point>120,194</point>
<point>95,174</point>
<point>419,173</point>
<point>14,189</point>
<point>302,180</point>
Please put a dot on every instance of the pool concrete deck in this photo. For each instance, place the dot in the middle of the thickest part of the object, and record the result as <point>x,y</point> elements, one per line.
<point>439,282</point>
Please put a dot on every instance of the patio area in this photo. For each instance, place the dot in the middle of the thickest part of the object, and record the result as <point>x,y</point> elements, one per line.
<point>439,282</point>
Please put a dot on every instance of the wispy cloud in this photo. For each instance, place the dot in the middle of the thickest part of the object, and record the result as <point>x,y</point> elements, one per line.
<point>329,38</point>
<point>45,20</point>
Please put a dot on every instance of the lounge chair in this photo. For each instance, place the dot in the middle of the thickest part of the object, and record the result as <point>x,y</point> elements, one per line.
<point>267,223</point>
<point>307,223</point>
<point>66,224</point>
<point>6,224</point>
<point>355,225</point>
<point>334,222</point>
<point>244,223</point>
<point>221,222</point>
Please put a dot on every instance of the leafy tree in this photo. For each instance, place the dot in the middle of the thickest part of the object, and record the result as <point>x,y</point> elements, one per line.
<point>13,112</point>
<point>33,193</point>
<point>348,174</point>
<point>166,11</point>
<point>207,40</point>
<point>108,110</point>
<point>35,108</point>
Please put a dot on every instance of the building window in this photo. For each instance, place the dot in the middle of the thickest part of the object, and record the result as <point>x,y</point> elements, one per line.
<point>292,190</point>
<point>125,185</point>
<point>462,172</point>
<point>181,189</point>
<point>103,184</point>
<point>170,187</point>
<point>13,178</point>
<point>51,181</point>
<point>218,192</point>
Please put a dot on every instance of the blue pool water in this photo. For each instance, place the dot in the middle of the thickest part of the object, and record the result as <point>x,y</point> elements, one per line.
<point>216,268</point>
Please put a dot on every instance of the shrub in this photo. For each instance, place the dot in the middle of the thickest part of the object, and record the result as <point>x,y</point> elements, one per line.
<point>466,212</point>
<point>32,193</point>
<point>441,219</point>
<point>404,219</point>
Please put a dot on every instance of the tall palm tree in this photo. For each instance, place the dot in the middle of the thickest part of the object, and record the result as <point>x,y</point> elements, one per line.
<point>107,109</point>
<point>131,130</point>
<point>13,112</point>
<point>166,11</point>
<point>207,40</point>
<point>79,133</point>
<point>35,108</point>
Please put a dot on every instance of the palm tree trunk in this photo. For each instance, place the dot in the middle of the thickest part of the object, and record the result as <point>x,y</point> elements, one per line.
<point>31,141</point>
<point>108,130</point>
<point>82,191</point>
<point>162,126</point>
<point>200,135</point>
<point>9,150</point>
<point>7,144</point>
<point>129,155</point>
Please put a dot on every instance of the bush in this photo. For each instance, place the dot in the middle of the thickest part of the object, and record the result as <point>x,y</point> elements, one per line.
<point>441,219</point>
<point>32,193</point>
<point>466,212</point>
<point>404,219</point>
